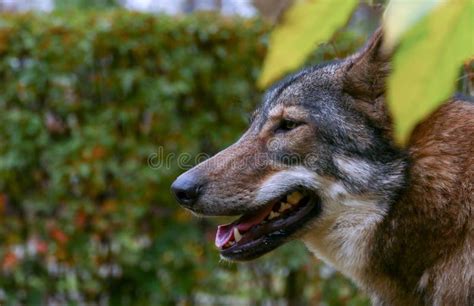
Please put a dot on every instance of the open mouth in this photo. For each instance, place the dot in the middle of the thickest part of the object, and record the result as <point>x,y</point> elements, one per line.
<point>257,233</point>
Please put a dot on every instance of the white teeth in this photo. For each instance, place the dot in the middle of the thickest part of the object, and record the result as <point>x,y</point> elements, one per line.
<point>237,235</point>
<point>284,206</point>
<point>294,197</point>
<point>273,215</point>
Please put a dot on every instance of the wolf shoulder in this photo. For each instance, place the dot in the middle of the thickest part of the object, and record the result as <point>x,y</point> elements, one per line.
<point>441,153</point>
<point>450,128</point>
<point>443,143</point>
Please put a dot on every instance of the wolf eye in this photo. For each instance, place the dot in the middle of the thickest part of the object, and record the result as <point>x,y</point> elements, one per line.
<point>286,125</point>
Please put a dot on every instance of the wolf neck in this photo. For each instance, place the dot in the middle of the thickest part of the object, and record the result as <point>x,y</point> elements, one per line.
<point>344,239</point>
<point>344,235</point>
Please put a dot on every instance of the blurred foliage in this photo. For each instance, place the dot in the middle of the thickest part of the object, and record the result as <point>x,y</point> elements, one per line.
<point>85,4</point>
<point>85,101</point>
<point>305,25</point>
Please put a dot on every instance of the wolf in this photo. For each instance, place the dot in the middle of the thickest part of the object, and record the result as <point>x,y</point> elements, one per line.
<point>319,163</point>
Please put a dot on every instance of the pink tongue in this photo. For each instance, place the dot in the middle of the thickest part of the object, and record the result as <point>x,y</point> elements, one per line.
<point>225,233</point>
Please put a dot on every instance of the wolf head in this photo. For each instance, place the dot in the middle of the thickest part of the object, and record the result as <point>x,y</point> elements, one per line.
<point>319,145</point>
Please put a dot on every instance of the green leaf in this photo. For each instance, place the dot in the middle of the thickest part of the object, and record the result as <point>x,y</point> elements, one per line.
<point>427,63</point>
<point>306,25</point>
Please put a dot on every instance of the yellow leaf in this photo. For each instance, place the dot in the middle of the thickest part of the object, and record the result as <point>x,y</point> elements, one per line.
<point>427,63</point>
<point>306,25</point>
<point>400,15</point>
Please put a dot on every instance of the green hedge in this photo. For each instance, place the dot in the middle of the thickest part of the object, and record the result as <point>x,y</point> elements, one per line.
<point>85,100</point>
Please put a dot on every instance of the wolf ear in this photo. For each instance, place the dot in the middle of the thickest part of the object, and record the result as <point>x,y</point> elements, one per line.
<point>365,78</point>
<point>367,70</point>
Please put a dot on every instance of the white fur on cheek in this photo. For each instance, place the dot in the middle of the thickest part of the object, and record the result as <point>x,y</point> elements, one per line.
<point>284,181</point>
<point>336,191</point>
<point>358,170</point>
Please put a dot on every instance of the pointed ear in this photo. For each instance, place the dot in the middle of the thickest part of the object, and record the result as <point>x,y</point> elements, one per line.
<point>365,79</point>
<point>367,70</point>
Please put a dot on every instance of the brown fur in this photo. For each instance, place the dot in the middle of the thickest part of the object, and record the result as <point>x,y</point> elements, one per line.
<point>425,243</point>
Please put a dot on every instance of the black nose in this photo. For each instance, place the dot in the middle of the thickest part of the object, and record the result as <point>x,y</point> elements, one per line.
<point>186,189</point>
